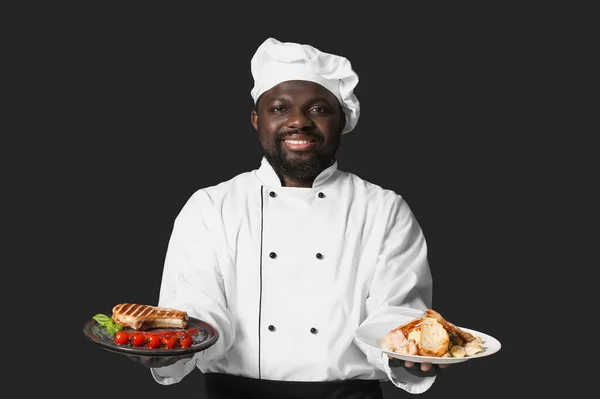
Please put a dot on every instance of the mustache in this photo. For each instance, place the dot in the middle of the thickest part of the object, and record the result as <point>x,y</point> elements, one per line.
<point>280,136</point>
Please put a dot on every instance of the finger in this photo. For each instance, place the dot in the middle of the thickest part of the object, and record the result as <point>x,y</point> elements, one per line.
<point>426,366</point>
<point>155,361</point>
<point>408,364</point>
<point>443,366</point>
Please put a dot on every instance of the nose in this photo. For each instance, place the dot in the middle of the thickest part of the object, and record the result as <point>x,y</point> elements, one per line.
<point>298,119</point>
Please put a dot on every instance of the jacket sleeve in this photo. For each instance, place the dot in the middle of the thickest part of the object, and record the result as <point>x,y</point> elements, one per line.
<point>401,287</point>
<point>192,281</point>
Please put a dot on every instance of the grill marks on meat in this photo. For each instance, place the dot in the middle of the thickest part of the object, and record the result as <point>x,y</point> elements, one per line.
<point>146,317</point>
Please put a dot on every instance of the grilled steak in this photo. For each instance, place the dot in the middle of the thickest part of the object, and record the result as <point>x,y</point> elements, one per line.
<point>146,317</point>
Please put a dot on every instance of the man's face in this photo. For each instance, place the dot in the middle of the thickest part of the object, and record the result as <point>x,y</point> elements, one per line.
<point>299,125</point>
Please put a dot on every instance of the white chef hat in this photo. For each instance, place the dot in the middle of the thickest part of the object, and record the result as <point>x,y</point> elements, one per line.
<point>275,62</point>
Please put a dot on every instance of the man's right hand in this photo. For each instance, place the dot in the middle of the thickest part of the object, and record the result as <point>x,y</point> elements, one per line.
<point>158,361</point>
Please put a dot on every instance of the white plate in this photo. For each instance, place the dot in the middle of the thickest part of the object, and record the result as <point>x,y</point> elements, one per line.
<point>373,335</point>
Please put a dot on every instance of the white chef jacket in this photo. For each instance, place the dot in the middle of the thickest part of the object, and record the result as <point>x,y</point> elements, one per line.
<point>287,274</point>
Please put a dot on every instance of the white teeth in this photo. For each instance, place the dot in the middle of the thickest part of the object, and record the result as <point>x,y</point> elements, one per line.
<point>298,141</point>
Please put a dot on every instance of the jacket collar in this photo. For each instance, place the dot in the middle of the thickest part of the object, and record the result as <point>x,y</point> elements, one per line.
<point>267,175</point>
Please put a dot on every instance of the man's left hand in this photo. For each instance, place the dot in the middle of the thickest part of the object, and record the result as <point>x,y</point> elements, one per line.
<point>418,369</point>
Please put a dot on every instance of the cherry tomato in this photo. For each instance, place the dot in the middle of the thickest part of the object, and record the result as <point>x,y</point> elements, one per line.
<point>186,341</point>
<point>171,342</point>
<point>121,337</point>
<point>181,334</point>
<point>138,339</point>
<point>154,341</point>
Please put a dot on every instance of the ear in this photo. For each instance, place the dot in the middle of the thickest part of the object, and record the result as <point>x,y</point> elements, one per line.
<point>254,119</point>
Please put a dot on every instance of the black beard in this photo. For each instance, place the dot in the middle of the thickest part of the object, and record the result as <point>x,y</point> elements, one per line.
<point>302,170</point>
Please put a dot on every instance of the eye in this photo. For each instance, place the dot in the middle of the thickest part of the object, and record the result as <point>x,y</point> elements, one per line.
<point>278,109</point>
<point>320,110</point>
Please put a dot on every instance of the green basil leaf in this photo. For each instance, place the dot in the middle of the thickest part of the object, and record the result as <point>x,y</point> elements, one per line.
<point>108,323</point>
<point>102,319</point>
<point>111,329</point>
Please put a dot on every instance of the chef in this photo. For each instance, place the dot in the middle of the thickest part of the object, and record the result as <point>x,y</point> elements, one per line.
<point>289,259</point>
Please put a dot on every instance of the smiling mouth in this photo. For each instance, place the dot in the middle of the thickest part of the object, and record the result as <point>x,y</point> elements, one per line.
<point>299,145</point>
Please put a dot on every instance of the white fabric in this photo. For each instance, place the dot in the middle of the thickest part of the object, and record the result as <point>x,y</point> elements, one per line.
<point>218,268</point>
<point>275,62</point>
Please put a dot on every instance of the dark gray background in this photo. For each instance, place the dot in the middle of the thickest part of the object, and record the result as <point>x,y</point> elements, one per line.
<point>141,107</point>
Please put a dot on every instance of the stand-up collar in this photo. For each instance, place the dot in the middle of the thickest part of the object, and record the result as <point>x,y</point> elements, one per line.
<point>267,174</point>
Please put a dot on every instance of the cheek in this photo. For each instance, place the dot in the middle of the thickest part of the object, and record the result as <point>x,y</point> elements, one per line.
<point>332,133</point>
<point>266,133</point>
<point>330,126</point>
<point>332,143</point>
<point>266,139</point>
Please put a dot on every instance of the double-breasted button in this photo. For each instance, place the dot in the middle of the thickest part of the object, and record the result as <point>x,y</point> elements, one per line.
<point>272,194</point>
<point>319,255</point>
<point>271,327</point>
<point>272,255</point>
<point>313,330</point>
<point>321,195</point>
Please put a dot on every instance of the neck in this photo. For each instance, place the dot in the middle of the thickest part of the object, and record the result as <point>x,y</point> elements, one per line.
<point>298,175</point>
<point>288,181</point>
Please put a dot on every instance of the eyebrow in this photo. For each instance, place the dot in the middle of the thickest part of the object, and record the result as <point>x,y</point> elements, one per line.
<point>312,100</point>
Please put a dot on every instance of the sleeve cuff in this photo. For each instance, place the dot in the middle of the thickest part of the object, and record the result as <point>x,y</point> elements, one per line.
<point>404,380</point>
<point>174,373</point>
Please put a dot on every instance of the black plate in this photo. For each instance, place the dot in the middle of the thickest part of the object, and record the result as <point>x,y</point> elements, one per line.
<point>206,336</point>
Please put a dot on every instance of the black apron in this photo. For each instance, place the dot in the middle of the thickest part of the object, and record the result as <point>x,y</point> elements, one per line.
<point>225,386</point>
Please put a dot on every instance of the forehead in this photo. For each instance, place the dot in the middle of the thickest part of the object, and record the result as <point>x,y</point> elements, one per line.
<point>299,90</point>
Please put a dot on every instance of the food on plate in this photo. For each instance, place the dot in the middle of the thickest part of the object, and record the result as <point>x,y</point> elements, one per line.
<point>457,351</point>
<point>432,335</point>
<point>163,339</point>
<point>145,317</point>
<point>434,339</point>
<point>148,327</point>
<point>111,327</point>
